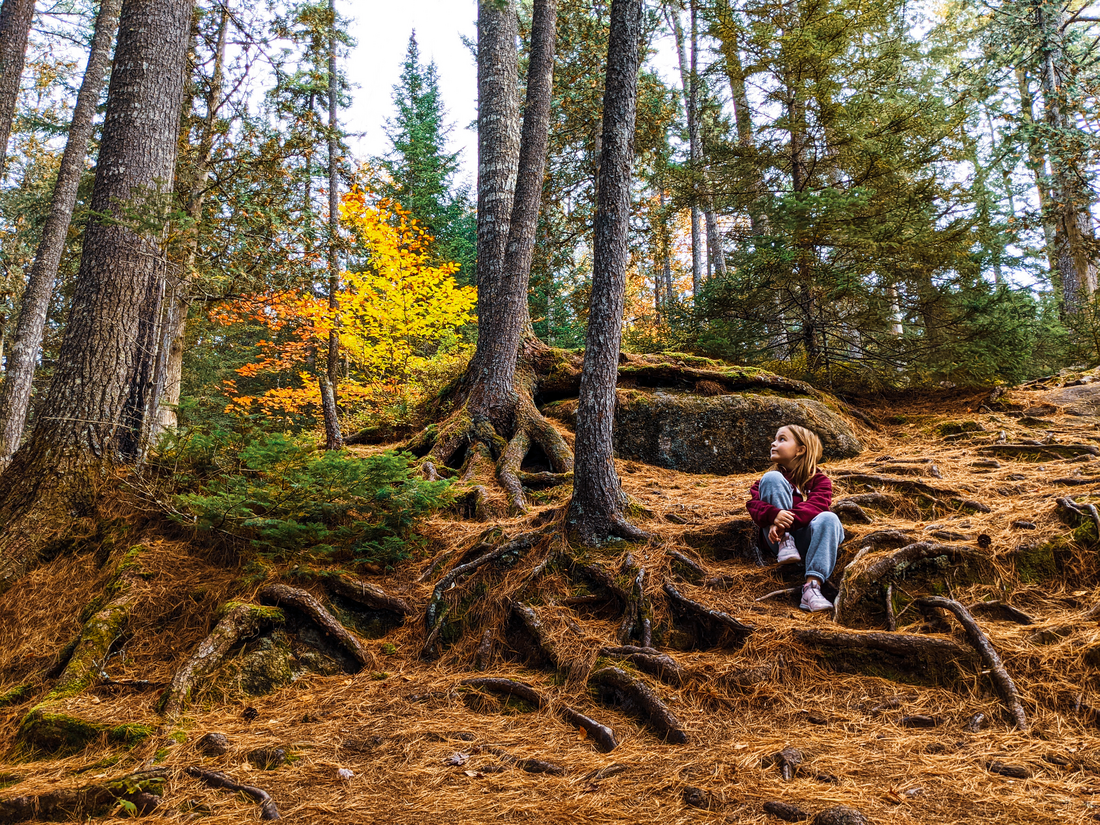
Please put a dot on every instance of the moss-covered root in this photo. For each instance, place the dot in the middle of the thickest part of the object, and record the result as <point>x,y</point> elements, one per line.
<point>363,593</point>
<point>15,695</point>
<point>282,595</point>
<point>617,687</point>
<point>46,730</point>
<point>141,792</point>
<point>109,614</point>
<point>238,622</point>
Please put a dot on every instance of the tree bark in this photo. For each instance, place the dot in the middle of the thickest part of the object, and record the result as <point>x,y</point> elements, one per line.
<point>334,440</point>
<point>502,326</point>
<point>689,82</point>
<point>15,27</point>
<point>598,499</point>
<point>78,431</point>
<point>169,373</point>
<point>498,165</point>
<point>15,392</point>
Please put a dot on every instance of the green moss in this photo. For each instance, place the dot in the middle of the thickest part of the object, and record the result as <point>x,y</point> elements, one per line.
<point>15,695</point>
<point>957,428</point>
<point>57,733</point>
<point>9,779</point>
<point>178,736</point>
<point>897,419</point>
<point>1037,563</point>
<point>96,638</point>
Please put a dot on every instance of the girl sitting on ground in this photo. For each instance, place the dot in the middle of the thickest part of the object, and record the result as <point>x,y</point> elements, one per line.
<point>791,504</point>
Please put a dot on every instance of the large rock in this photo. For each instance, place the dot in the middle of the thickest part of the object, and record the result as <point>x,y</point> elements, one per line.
<point>722,434</point>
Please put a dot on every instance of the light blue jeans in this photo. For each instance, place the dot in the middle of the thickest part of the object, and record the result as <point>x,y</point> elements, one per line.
<point>818,541</point>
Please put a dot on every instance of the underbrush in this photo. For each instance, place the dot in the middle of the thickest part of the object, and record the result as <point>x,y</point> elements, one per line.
<point>290,501</point>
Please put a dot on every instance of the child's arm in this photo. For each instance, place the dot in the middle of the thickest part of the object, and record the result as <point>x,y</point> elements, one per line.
<point>760,511</point>
<point>818,499</point>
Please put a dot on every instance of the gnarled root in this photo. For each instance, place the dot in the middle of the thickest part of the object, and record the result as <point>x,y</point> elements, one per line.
<point>367,595</point>
<point>543,646</point>
<point>617,687</point>
<point>532,428</point>
<point>282,595</point>
<point>1003,682</point>
<point>928,658</point>
<point>718,628</point>
<point>217,779</point>
<point>636,622</point>
<point>239,623</point>
<point>649,660</point>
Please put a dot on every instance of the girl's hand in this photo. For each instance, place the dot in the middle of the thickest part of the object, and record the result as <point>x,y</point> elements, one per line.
<point>784,520</point>
<point>774,534</point>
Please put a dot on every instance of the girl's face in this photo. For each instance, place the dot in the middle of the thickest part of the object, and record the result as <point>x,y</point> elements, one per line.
<point>785,448</point>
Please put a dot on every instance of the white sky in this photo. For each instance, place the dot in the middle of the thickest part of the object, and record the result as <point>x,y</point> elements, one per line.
<point>381,33</point>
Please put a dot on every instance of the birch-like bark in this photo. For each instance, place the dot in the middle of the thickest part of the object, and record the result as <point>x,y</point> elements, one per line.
<point>334,440</point>
<point>15,391</point>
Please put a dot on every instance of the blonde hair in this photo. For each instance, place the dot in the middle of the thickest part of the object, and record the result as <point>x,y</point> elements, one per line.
<point>804,467</point>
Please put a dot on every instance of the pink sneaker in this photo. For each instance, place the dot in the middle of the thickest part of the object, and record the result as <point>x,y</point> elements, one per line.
<point>788,553</point>
<point>812,600</point>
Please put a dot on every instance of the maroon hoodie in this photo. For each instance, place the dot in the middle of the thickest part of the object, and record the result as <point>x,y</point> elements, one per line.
<point>819,497</point>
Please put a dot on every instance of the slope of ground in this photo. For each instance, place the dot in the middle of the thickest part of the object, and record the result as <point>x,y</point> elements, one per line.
<point>404,741</point>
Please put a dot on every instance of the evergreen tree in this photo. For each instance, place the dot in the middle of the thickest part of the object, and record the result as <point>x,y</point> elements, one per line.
<point>421,171</point>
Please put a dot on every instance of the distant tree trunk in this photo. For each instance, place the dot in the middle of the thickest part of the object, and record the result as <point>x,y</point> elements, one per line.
<point>178,298</point>
<point>334,440</point>
<point>689,83</point>
<point>15,27</point>
<point>15,392</point>
<point>1073,224</point>
<point>1037,164</point>
<point>76,437</point>
<point>596,510</point>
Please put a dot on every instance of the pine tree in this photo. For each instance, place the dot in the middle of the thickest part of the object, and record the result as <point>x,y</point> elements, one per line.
<point>421,171</point>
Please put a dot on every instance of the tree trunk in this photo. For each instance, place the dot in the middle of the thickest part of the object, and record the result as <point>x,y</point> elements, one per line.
<point>178,299</point>
<point>1073,222</point>
<point>77,433</point>
<point>598,500</point>
<point>1037,164</point>
<point>498,138</point>
<point>334,440</point>
<point>15,26</point>
<point>688,83</point>
<point>15,392</point>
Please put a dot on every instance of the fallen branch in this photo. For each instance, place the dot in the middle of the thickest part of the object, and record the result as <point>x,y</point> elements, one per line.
<point>281,595</point>
<point>240,622</point>
<point>1003,682</point>
<point>786,591</point>
<point>217,779</point>
<point>617,687</point>
<point>719,627</point>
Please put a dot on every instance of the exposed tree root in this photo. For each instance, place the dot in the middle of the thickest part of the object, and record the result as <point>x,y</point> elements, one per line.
<point>281,595</point>
<point>649,660</point>
<point>1000,610</point>
<point>619,688</point>
<point>693,567</point>
<point>216,779</point>
<point>601,735</point>
<point>432,613</point>
<point>636,623</point>
<point>597,575</point>
<point>529,765</point>
<point>864,582</point>
<point>906,484</point>
<point>144,790</point>
<point>1040,450</point>
<point>1003,682</point>
<point>927,657</point>
<point>876,500</point>
<point>849,511</point>
<point>789,760</point>
<point>1085,510</point>
<point>239,623</point>
<point>786,591</point>
<point>543,645</point>
<point>718,629</point>
<point>484,650</point>
<point>367,595</point>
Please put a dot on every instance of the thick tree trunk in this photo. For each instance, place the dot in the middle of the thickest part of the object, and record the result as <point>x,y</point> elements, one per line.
<point>15,392</point>
<point>598,499</point>
<point>15,26</point>
<point>503,315</point>
<point>498,138</point>
<point>79,426</point>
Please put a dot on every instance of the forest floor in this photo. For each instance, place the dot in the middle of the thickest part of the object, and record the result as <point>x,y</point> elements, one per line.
<point>899,748</point>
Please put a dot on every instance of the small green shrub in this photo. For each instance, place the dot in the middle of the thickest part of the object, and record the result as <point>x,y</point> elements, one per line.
<point>290,500</point>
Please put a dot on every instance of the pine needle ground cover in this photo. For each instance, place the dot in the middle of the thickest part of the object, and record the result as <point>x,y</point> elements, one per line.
<point>404,740</point>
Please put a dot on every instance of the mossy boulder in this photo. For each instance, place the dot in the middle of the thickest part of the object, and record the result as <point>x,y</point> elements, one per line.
<point>722,434</point>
